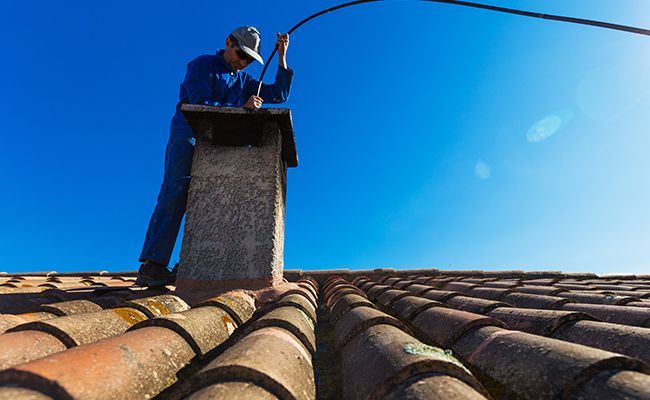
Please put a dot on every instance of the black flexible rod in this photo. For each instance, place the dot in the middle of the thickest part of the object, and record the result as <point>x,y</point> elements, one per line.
<point>600,24</point>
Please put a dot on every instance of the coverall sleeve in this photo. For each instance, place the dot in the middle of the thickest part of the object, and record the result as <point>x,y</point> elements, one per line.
<point>277,92</point>
<point>198,82</point>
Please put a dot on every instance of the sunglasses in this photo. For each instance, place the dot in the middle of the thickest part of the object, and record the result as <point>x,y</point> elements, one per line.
<point>240,53</point>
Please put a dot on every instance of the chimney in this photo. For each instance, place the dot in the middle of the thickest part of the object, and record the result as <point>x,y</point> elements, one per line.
<point>234,228</point>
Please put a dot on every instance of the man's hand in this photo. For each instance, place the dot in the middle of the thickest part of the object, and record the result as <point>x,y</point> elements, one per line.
<point>253,103</point>
<point>282,44</point>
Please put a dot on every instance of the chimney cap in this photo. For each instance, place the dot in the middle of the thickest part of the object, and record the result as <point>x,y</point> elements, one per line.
<point>233,126</point>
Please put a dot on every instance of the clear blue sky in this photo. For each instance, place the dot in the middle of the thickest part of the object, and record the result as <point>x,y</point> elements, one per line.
<point>429,135</point>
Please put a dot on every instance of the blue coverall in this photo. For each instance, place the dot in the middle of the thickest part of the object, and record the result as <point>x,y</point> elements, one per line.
<point>210,81</point>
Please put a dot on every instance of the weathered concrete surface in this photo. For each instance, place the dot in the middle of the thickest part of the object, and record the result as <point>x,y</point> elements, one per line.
<point>234,230</point>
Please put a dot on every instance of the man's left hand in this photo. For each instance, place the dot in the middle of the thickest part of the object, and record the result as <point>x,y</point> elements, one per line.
<point>282,43</point>
<point>253,103</point>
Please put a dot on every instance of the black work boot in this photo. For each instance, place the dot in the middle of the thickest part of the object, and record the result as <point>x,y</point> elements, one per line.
<point>152,274</point>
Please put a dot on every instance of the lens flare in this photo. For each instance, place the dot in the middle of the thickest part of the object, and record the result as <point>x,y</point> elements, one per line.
<point>482,170</point>
<point>549,125</point>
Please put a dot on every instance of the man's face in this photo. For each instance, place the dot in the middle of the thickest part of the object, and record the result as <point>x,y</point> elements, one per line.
<point>233,56</point>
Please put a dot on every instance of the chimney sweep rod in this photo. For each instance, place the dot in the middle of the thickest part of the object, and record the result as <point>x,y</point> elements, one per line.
<point>572,20</point>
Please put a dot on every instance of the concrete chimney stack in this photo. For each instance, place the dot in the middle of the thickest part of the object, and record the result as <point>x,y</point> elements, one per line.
<point>234,228</point>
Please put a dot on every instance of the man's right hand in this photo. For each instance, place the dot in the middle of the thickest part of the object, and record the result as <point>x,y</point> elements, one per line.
<point>253,103</point>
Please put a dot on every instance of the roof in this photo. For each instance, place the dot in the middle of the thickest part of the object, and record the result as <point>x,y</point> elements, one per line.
<point>376,334</point>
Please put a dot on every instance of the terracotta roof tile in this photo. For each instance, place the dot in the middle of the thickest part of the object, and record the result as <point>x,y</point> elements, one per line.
<point>309,287</point>
<point>640,280</point>
<point>8,321</point>
<point>478,280</point>
<point>346,303</point>
<point>358,320</point>
<point>64,285</point>
<point>21,347</point>
<point>459,287</point>
<point>433,386</point>
<point>385,277</point>
<point>335,287</point>
<point>540,281</point>
<point>13,393</point>
<point>532,366</point>
<point>545,322</point>
<point>36,316</point>
<point>71,307</point>
<point>298,301</point>
<point>157,306</point>
<point>596,298</point>
<point>380,359</point>
<point>337,280</point>
<point>439,295</point>
<point>376,290</point>
<point>356,282</point>
<point>625,315</point>
<point>638,291</point>
<point>420,271</point>
<point>502,284</point>
<point>579,275</point>
<point>443,326</point>
<point>468,273</point>
<point>270,358</point>
<point>333,278</point>
<point>623,339</point>
<point>390,296</point>
<point>140,364</point>
<point>590,291</point>
<point>313,299</point>
<point>489,293</point>
<point>615,385</point>
<point>570,343</point>
<point>514,274</point>
<point>525,300</point>
<point>359,279</point>
<point>423,279</point>
<point>474,305</point>
<point>418,288</point>
<point>403,284</point>
<point>196,328</point>
<point>643,303</point>
<point>365,285</point>
<point>538,322</point>
<point>617,277</point>
<point>440,282</point>
<point>407,307</point>
<point>79,329</point>
<point>391,281</point>
<point>614,287</point>
<point>308,279</point>
<point>639,294</point>
<point>232,390</point>
<point>573,286</point>
<point>203,328</point>
<point>239,306</point>
<point>290,319</point>
<point>539,289</point>
<point>340,290</point>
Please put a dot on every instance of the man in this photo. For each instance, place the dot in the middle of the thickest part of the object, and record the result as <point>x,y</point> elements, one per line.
<point>215,80</point>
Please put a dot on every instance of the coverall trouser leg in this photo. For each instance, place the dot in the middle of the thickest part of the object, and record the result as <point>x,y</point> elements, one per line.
<point>172,199</point>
